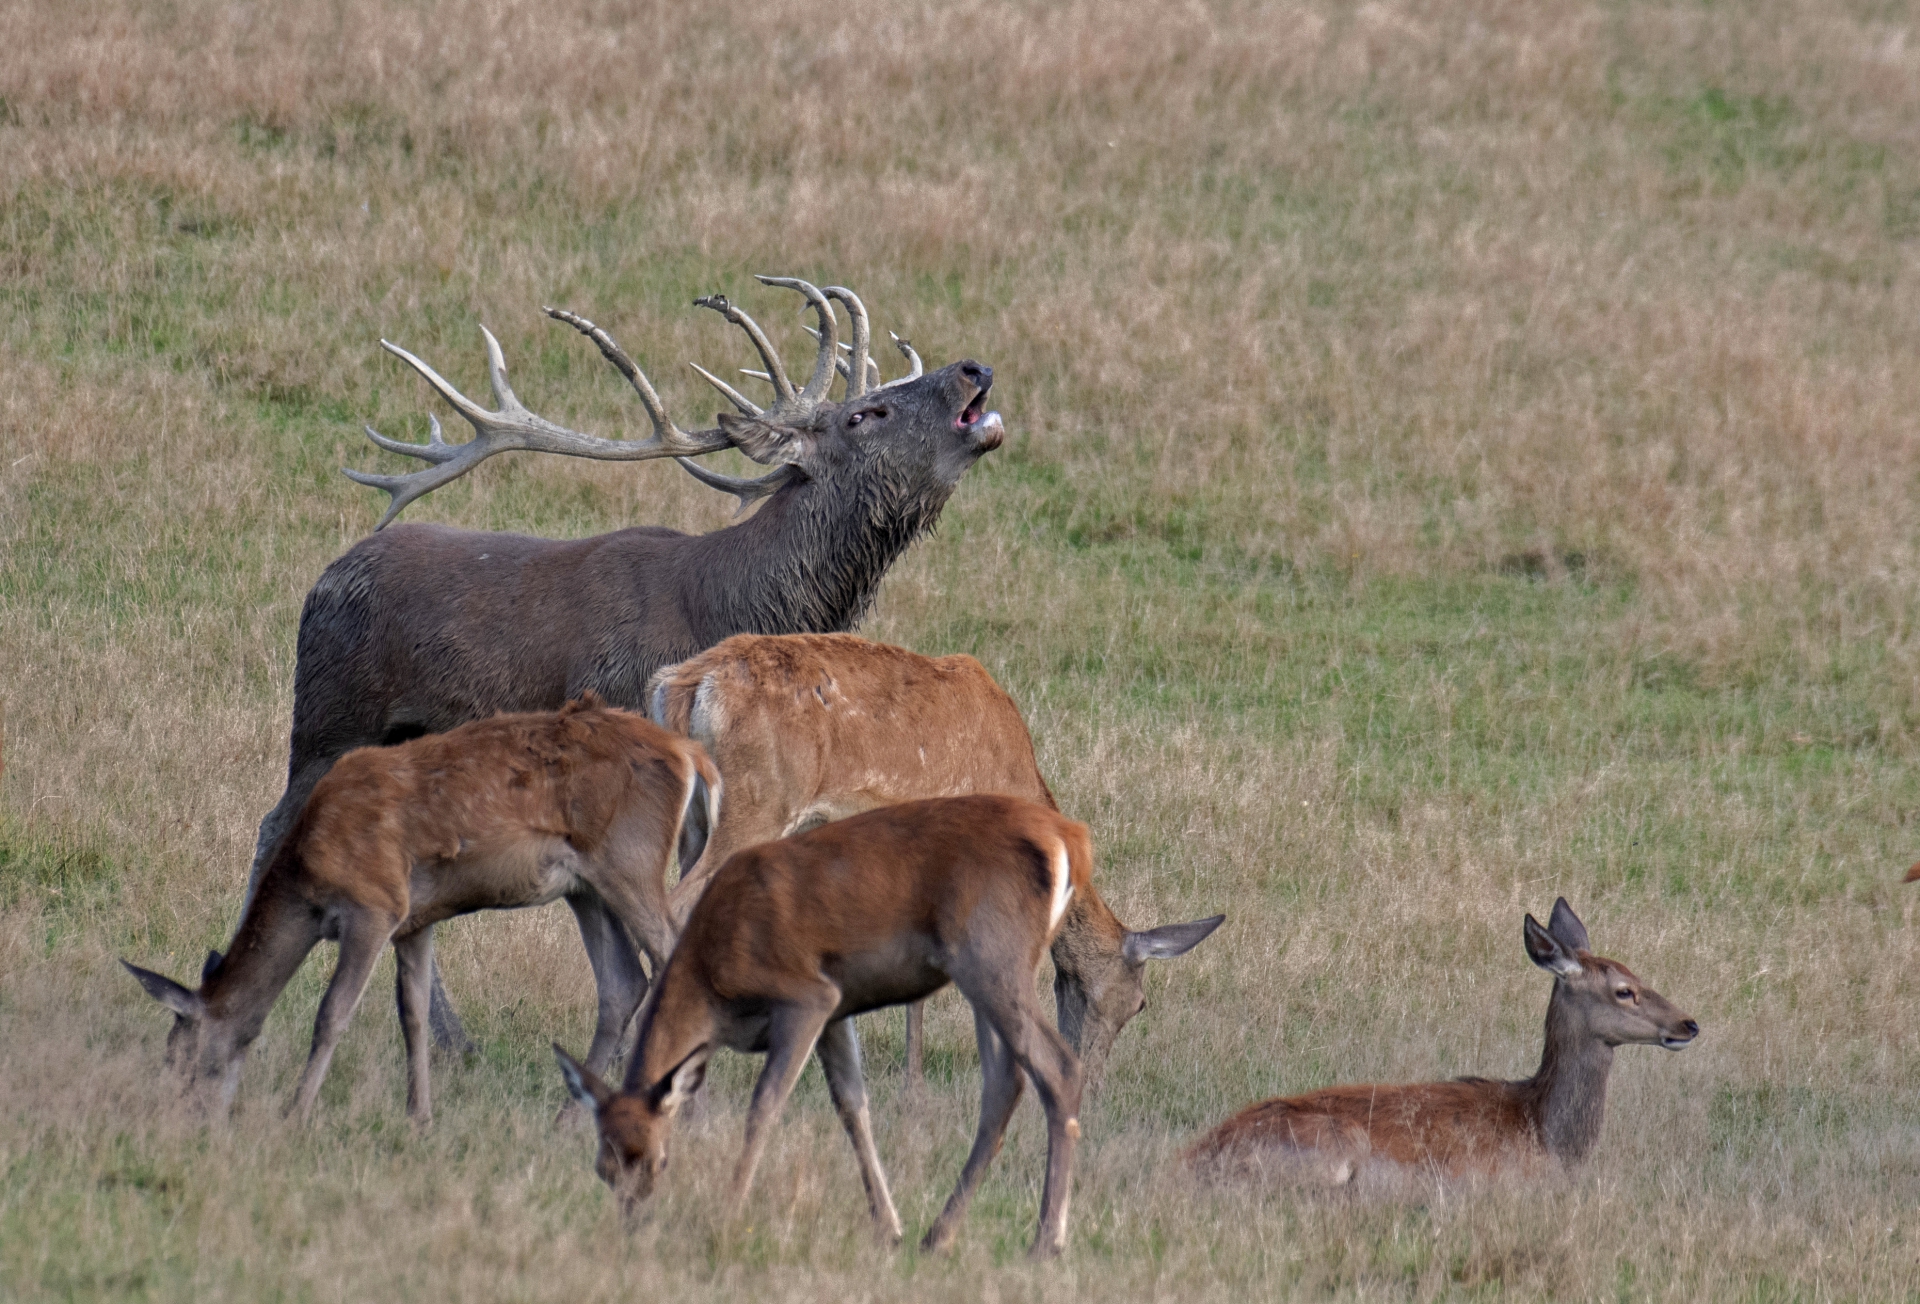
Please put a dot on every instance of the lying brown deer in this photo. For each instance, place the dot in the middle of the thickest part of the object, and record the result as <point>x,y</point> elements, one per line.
<point>795,937</point>
<point>587,803</point>
<point>1474,1124</point>
<point>808,728</point>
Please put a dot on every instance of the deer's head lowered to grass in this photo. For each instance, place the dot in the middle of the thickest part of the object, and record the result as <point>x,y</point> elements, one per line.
<point>586,803</point>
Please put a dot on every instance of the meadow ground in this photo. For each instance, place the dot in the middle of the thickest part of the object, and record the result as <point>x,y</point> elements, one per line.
<point>1460,454</point>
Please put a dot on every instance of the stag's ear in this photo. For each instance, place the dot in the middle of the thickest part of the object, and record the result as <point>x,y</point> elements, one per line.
<point>767,442</point>
<point>586,1088</point>
<point>677,1088</point>
<point>1567,928</point>
<point>1546,952</point>
<point>211,967</point>
<point>1168,940</point>
<point>169,993</point>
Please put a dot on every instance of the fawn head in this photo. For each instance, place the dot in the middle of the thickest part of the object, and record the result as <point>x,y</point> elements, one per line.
<point>1611,1004</point>
<point>633,1126</point>
<point>205,1050</point>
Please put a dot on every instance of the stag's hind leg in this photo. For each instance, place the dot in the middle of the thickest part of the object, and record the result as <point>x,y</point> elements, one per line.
<point>362,938</point>
<point>839,1051</point>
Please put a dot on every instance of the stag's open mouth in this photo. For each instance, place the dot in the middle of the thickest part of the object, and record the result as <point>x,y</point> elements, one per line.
<point>975,411</point>
<point>983,425</point>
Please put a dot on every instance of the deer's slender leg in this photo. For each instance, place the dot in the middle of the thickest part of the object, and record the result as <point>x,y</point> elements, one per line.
<point>1000,1087</point>
<point>797,1025</point>
<point>916,1045</point>
<point>617,976</point>
<point>415,956</point>
<point>839,1051</point>
<point>1051,1063</point>
<point>361,942</point>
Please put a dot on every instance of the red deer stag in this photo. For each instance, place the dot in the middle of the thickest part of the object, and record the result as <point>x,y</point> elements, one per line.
<point>797,936</point>
<point>1473,1124</point>
<point>587,804</point>
<point>419,628</point>
<point>808,728</point>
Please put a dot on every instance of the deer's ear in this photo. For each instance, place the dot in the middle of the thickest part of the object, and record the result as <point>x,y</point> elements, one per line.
<point>169,993</point>
<point>677,1088</point>
<point>582,1084</point>
<point>1168,940</point>
<point>1567,928</point>
<point>211,967</point>
<point>1545,951</point>
<point>767,442</point>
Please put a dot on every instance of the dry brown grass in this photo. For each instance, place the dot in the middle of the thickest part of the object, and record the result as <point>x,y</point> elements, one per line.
<point>1462,453</point>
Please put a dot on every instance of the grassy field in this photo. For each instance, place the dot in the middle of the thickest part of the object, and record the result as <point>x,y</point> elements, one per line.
<point>1460,454</point>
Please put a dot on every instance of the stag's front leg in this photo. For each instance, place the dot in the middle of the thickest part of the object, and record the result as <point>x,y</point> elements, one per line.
<point>840,1058</point>
<point>361,941</point>
<point>413,982</point>
<point>618,979</point>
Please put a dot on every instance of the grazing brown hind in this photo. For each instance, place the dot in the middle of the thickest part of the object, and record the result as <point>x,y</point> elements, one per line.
<point>795,937</point>
<point>808,728</point>
<point>1473,1124</point>
<point>587,803</point>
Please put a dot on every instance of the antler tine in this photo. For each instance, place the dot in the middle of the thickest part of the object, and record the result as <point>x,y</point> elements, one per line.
<point>514,427</point>
<point>663,427</point>
<point>747,491</point>
<point>830,329</point>
<point>862,338</point>
<point>734,396</point>
<point>915,369</point>
<point>775,372</point>
<point>839,364</point>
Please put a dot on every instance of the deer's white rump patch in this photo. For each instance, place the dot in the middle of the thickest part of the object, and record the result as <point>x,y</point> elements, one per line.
<point>1062,885</point>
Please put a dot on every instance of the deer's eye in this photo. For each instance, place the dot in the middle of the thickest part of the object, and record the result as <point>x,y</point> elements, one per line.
<point>1624,993</point>
<point>856,418</point>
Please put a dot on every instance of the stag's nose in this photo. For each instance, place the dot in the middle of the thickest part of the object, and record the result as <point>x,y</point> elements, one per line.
<point>1691,1029</point>
<point>982,377</point>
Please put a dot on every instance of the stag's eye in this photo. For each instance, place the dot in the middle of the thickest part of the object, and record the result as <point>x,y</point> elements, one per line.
<point>856,418</point>
<point>1623,993</point>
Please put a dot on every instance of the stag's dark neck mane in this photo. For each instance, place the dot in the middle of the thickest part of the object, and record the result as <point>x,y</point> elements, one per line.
<point>812,557</point>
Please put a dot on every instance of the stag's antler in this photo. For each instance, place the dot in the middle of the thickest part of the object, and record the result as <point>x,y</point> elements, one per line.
<point>512,426</point>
